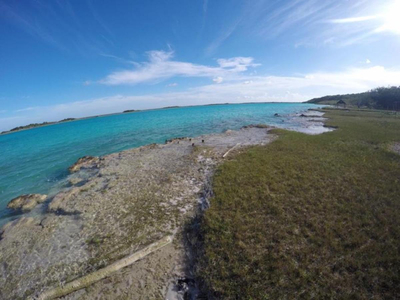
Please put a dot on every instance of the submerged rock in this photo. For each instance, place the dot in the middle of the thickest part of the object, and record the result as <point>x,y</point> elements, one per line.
<point>86,162</point>
<point>256,126</point>
<point>26,202</point>
<point>75,180</point>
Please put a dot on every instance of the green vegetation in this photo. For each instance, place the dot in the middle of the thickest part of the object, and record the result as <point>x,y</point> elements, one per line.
<point>309,216</point>
<point>379,98</point>
<point>33,125</point>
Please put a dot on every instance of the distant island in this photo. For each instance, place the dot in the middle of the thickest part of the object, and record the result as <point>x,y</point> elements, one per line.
<point>387,98</point>
<point>168,107</point>
<point>33,125</point>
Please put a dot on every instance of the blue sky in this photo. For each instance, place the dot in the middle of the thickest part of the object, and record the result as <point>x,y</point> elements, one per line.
<point>78,58</point>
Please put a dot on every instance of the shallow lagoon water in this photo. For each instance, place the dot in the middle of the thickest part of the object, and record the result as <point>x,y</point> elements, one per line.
<point>36,160</point>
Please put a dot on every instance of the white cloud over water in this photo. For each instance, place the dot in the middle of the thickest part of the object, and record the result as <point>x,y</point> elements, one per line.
<point>237,90</point>
<point>161,66</point>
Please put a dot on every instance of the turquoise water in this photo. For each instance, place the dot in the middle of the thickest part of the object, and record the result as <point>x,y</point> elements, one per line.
<point>33,161</point>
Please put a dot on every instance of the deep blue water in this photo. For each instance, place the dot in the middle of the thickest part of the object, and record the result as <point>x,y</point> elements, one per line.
<point>33,161</point>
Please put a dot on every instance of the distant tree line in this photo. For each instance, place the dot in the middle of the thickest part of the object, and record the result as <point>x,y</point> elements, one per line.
<point>379,98</point>
<point>33,125</point>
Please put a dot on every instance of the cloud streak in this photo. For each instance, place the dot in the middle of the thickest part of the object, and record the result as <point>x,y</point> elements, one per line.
<point>313,22</point>
<point>353,20</point>
<point>222,37</point>
<point>161,66</point>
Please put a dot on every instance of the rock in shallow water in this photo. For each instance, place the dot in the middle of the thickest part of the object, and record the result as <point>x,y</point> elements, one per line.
<point>26,202</point>
<point>85,162</point>
<point>75,180</point>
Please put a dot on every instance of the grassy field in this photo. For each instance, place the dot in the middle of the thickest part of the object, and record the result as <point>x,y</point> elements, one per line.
<point>309,216</point>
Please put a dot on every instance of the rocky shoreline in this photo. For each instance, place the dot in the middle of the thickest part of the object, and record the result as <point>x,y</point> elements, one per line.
<point>130,199</point>
<point>116,205</point>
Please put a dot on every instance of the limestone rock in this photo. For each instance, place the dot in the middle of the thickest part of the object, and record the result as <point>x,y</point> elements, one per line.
<point>75,180</point>
<point>61,198</point>
<point>86,162</point>
<point>26,202</point>
<point>18,223</point>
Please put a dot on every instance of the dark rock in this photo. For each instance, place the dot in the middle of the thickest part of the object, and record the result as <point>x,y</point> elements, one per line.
<point>186,286</point>
<point>256,126</point>
<point>310,116</point>
<point>175,139</point>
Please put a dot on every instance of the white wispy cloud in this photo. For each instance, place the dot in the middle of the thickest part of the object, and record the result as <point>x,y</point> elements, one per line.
<point>25,109</point>
<point>330,22</point>
<point>218,79</point>
<point>223,35</point>
<point>172,84</point>
<point>161,66</point>
<point>353,20</point>
<point>243,89</point>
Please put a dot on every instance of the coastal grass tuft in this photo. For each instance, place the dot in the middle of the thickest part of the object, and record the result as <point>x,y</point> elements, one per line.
<point>309,216</point>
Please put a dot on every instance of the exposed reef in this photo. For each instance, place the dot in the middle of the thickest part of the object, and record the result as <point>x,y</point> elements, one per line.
<point>86,162</point>
<point>26,202</point>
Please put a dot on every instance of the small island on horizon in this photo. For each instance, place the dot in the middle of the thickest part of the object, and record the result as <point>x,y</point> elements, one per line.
<point>385,98</point>
<point>34,125</point>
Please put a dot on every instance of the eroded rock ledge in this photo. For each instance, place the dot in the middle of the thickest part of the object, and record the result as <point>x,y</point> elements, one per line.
<point>86,162</point>
<point>26,202</point>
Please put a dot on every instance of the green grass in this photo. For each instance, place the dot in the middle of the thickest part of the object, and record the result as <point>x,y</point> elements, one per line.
<point>309,216</point>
